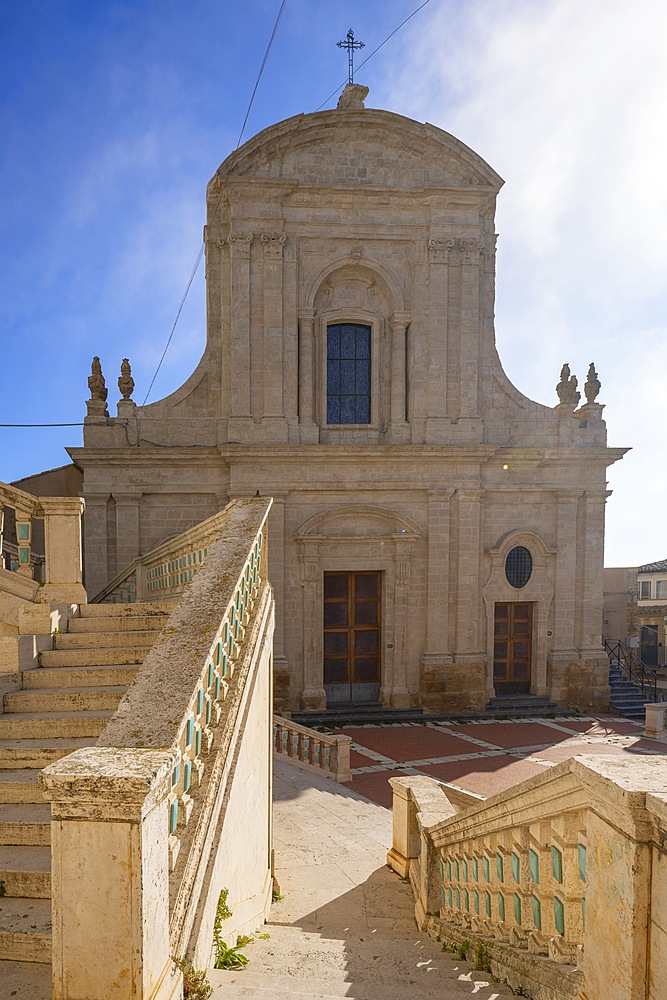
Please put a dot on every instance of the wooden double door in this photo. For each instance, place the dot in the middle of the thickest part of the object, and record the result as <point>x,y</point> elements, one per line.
<point>352,617</point>
<point>512,647</point>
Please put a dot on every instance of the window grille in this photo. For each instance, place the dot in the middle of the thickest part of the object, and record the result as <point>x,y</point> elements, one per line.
<point>348,374</point>
<point>518,567</point>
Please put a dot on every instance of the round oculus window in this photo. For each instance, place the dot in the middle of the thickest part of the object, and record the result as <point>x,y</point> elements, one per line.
<point>518,567</point>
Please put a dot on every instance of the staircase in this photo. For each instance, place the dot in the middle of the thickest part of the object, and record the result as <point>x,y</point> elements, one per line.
<point>626,698</point>
<point>63,704</point>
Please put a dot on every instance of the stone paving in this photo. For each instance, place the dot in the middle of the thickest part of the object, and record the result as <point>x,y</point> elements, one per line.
<point>483,757</point>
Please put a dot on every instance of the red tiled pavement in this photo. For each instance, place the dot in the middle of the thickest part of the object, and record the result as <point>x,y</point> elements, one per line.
<point>375,786</point>
<point>360,760</point>
<point>484,775</point>
<point>508,735</point>
<point>602,727</point>
<point>564,750</point>
<point>404,743</point>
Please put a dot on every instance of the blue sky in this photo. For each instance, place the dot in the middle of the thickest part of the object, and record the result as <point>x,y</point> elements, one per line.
<point>114,115</point>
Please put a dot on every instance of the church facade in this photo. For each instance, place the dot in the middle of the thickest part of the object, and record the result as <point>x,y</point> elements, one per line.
<point>436,536</point>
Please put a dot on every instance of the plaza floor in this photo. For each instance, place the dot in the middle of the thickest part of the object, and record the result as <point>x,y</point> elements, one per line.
<point>483,757</point>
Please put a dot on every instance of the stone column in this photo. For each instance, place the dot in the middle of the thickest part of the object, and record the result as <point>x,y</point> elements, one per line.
<point>274,427</point>
<point>399,430</point>
<point>127,529</point>
<point>471,258</point>
<point>97,573</point>
<point>313,696</point>
<point>62,541</point>
<point>437,420</point>
<point>437,657</point>
<point>469,686</point>
<point>110,874</point>
<point>308,430</point>
<point>399,695</point>
<point>240,421</point>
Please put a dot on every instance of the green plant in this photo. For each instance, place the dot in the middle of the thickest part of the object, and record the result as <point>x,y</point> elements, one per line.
<point>462,949</point>
<point>275,896</point>
<point>482,957</point>
<point>195,984</point>
<point>56,631</point>
<point>520,992</point>
<point>230,957</point>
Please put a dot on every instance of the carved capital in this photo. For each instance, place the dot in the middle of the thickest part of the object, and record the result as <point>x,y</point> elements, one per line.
<point>438,250</point>
<point>273,244</point>
<point>239,244</point>
<point>471,251</point>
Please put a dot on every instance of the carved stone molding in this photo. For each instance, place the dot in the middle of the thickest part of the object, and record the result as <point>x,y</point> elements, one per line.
<point>471,251</point>
<point>238,244</point>
<point>438,250</point>
<point>273,244</point>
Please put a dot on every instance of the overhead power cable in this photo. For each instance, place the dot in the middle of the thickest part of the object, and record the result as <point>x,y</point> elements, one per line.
<point>334,92</point>
<point>200,253</point>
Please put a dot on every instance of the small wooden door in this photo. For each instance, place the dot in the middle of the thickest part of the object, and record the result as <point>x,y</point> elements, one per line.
<point>352,608</point>
<point>512,645</point>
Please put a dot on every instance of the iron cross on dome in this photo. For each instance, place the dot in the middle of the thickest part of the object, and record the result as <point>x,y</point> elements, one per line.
<point>350,45</point>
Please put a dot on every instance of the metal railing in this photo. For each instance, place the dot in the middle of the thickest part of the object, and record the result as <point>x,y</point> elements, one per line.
<point>632,666</point>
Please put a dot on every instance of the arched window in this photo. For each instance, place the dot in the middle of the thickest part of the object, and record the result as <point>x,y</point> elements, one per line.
<point>518,566</point>
<point>348,374</point>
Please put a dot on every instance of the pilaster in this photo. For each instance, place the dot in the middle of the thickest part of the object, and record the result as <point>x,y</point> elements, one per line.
<point>399,430</point>
<point>308,431</point>
<point>274,427</point>
<point>437,420</point>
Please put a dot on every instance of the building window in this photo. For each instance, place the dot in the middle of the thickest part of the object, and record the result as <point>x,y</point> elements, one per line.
<point>518,567</point>
<point>348,374</point>
<point>661,590</point>
<point>644,590</point>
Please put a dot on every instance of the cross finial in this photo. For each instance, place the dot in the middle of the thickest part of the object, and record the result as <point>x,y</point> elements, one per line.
<point>350,45</point>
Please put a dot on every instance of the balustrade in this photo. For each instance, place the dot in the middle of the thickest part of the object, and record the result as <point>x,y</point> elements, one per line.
<point>514,875</point>
<point>311,750</point>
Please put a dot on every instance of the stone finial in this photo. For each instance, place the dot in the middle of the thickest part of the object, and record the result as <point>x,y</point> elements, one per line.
<point>567,387</point>
<point>96,383</point>
<point>353,97</point>
<point>126,382</point>
<point>592,386</point>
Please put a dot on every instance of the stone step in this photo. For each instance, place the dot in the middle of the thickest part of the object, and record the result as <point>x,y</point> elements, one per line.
<point>127,610</point>
<point>137,638</point>
<point>131,623</point>
<point>35,753</point>
<point>89,699</point>
<point>20,785</point>
<point>25,929</point>
<point>25,824</point>
<point>53,725</point>
<point>93,657</point>
<point>26,871</point>
<point>23,981</point>
<point>78,677</point>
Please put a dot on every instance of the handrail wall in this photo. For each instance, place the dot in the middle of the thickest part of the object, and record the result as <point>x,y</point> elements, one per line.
<point>167,781</point>
<point>557,882</point>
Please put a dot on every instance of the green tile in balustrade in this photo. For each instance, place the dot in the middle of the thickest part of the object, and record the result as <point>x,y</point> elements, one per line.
<point>231,645</point>
<point>24,555</point>
<point>205,551</point>
<point>209,711</point>
<point>466,899</point>
<point>189,731</point>
<point>218,684</point>
<point>260,540</point>
<point>189,558</point>
<point>559,915</point>
<point>487,902</point>
<point>442,899</point>
<point>211,674</point>
<point>457,871</point>
<point>22,531</point>
<point>487,868</point>
<point>449,898</point>
<point>225,665</point>
<point>534,862</point>
<point>475,900</point>
<point>501,906</point>
<point>475,869</point>
<point>581,852</point>
<point>198,737</point>
<point>442,870</point>
<point>537,913</point>
<point>516,867</point>
<point>557,864</point>
<point>517,907</point>
<point>218,654</point>
<point>176,774</point>
<point>187,775</point>
<point>449,871</point>
<point>200,701</point>
<point>458,899</point>
<point>464,865</point>
<point>173,816</point>
<point>499,866</point>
